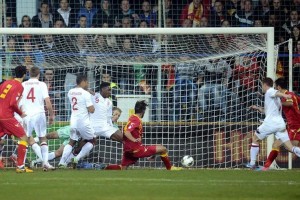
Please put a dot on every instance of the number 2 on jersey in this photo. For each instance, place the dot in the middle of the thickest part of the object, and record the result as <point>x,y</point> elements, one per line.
<point>30,95</point>
<point>5,91</point>
<point>74,103</point>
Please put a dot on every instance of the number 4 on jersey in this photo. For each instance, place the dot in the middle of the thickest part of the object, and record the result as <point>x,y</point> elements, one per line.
<point>31,95</point>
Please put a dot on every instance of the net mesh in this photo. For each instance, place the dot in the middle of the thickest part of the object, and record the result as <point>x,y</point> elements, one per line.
<point>198,88</point>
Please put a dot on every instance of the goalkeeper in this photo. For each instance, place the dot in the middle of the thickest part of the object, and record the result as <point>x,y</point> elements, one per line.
<point>62,134</point>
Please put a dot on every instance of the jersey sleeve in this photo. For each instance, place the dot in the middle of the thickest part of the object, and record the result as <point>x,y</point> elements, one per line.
<point>272,92</point>
<point>15,98</point>
<point>88,99</point>
<point>132,124</point>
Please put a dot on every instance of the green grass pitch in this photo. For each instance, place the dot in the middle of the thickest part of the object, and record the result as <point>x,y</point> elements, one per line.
<point>150,184</point>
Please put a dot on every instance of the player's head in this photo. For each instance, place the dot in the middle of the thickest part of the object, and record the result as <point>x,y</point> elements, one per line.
<point>105,90</point>
<point>266,84</point>
<point>116,114</point>
<point>34,72</point>
<point>20,71</point>
<point>82,81</point>
<point>281,84</point>
<point>140,108</point>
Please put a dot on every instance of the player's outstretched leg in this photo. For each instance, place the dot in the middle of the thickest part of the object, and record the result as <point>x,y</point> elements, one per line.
<point>84,151</point>
<point>289,146</point>
<point>272,155</point>
<point>113,167</point>
<point>66,153</point>
<point>165,158</point>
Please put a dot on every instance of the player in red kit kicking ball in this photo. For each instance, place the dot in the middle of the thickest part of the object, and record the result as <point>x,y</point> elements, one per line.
<point>291,111</point>
<point>133,148</point>
<point>10,95</point>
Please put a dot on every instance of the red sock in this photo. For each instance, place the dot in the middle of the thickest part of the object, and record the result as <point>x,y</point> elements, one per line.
<point>22,150</point>
<point>166,160</point>
<point>113,167</point>
<point>273,154</point>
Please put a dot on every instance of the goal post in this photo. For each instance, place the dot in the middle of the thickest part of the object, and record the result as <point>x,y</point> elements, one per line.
<point>211,124</point>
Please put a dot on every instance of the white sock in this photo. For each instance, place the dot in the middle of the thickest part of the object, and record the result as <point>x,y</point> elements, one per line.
<point>37,150</point>
<point>70,157</point>
<point>51,155</point>
<point>66,153</point>
<point>85,150</point>
<point>253,153</point>
<point>45,152</point>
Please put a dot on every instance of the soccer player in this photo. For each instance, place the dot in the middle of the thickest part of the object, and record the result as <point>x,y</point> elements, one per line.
<point>34,95</point>
<point>133,148</point>
<point>273,122</point>
<point>10,95</point>
<point>292,113</point>
<point>81,107</point>
<point>102,117</point>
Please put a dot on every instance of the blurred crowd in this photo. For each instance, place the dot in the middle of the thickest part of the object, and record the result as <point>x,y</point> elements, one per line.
<point>190,90</point>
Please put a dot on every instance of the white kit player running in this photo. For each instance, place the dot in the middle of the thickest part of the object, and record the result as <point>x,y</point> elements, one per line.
<point>273,122</point>
<point>81,107</point>
<point>34,95</point>
<point>102,117</point>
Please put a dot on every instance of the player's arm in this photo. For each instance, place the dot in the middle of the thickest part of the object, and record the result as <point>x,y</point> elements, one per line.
<point>287,103</point>
<point>14,102</point>
<point>50,109</point>
<point>88,103</point>
<point>258,108</point>
<point>130,137</point>
<point>282,95</point>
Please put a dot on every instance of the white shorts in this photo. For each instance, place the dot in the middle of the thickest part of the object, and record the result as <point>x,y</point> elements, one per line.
<point>268,128</point>
<point>37,123</point>
<point>105,131</point>
<point>85,132</point>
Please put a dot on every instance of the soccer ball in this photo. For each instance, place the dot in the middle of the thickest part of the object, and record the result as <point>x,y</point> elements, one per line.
<point>187,161</point>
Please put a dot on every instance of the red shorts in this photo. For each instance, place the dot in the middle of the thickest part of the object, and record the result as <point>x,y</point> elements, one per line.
<point>11,127</point>
<point>130,157</point>
<point>294,133</point>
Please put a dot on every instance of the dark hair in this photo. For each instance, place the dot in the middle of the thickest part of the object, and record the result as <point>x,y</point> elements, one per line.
<point>80,78</point>
<point>44,2</point>
<point>104,85</point>
<point>140,106</point>
<point>268,81</point>
<point>20,71</point>
<point>82,16</point>
<point>34,71</point>
<point>281,82</point>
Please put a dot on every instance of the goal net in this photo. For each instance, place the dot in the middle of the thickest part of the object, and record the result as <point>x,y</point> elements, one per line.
<point>198,83</point>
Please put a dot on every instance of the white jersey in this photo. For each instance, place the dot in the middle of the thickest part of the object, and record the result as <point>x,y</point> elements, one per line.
<point>272,105</point>
<point>80,100</point>
<point>103,111</point>
<point>33,97</point>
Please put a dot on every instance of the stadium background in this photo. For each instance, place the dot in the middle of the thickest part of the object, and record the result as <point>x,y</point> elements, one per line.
<point>279,17</point>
